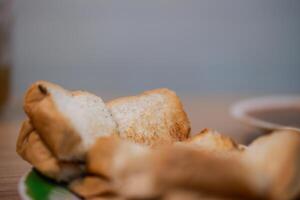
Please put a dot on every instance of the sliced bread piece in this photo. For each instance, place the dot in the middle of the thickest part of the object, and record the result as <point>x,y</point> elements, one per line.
<point>276,158</point>
<point>140,172</point>
<point>68,122</point>
<point>152,118</point>
<point>112,157</point>
<point>212,140</point>
<point>193,195</point>
<point>108,154</point>
<point>91,186</point>
<point>32,149</point>
<point>175,167</point>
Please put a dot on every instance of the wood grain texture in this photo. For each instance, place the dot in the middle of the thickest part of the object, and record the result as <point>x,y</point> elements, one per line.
<point>12,167</point>
<point>204,112</point>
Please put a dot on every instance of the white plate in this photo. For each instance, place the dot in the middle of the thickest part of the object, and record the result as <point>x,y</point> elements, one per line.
<point>34,186</point>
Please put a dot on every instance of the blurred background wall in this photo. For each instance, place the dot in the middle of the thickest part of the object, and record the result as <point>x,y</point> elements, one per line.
<point>201,47</point>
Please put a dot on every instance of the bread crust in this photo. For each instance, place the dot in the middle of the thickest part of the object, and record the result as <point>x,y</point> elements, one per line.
<point>151,172</point>
<point>56,128</point>
<point>212,140</point>
<point>100,156</point>
<point>193,195</point>
<point>153,117</point>
<point>276,158</point>
<point>32,149</point>
<point>110,153</point>
<point>91,186</point>
<point>210,173</point>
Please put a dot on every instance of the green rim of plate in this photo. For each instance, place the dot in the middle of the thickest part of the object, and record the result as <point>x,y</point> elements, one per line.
<point>34,186</point>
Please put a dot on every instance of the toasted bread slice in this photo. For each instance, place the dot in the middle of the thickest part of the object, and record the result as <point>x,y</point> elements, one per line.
<point>106,197</point>
<point>91,186</point>
<point>212,140</point>
<point>68,122</point>
<point>32,149</point>
<point>111,157</point>
<point>154,117</point>
<point>276,157</point>
<point>193,195</point>
<point>140,172</point>
<point>109,154</point>
<point>180,167</point>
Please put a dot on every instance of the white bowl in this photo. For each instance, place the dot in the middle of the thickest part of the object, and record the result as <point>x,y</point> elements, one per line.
<point>241,110</point>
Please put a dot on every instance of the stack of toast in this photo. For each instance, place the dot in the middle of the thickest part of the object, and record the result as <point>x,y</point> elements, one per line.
<point>140,147</point>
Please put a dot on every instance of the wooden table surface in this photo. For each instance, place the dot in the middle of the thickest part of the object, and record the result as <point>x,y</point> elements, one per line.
<point>204,112</point>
